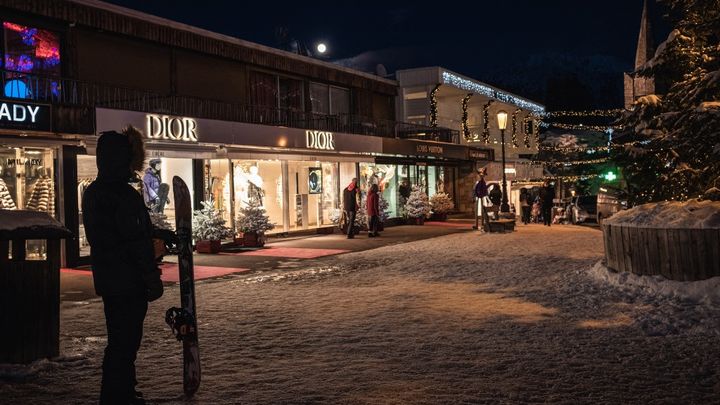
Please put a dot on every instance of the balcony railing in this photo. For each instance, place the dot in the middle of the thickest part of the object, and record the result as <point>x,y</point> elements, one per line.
<point>72,92</point>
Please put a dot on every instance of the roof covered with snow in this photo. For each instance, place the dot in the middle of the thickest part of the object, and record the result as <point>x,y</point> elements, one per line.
<point>21,224</point>
<point>691,214</point>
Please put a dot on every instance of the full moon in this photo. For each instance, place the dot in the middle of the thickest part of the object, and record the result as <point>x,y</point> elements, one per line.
<point>321,48</point>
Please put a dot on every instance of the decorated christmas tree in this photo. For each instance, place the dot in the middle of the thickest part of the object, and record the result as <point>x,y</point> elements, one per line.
<point>417,205</point>
<point>673,152</point>
<point>253,219</point>
<point>207,224</point>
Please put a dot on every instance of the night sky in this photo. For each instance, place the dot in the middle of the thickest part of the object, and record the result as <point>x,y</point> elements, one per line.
<point>565,53</point>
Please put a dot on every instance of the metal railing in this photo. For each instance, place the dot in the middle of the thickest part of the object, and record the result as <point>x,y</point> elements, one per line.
<point>57,90</point>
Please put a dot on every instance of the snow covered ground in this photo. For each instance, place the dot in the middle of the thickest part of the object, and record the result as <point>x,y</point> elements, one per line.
<point>527,317</point>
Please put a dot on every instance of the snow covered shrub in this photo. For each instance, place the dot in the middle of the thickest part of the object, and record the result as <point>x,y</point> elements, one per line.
<point>207,224</point>
<point>253,219</point>
<point>417,205</point>
<point>441,203</point>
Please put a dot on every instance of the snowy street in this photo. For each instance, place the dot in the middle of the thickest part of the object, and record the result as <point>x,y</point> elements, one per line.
<point>462,318</point>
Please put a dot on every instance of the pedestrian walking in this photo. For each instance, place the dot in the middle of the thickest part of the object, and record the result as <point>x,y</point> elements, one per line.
<point>525,205</point>
<point>373,211</point>
<point>350,204</point>
<point>496,199</point>
<point>125,275</point>
<point>547,195</point>
<point>480,193</point>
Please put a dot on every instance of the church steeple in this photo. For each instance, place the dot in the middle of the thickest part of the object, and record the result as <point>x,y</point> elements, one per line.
<point>637,86</point>
<point>645,47</point>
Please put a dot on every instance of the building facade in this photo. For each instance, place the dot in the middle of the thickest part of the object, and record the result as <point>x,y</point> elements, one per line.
<point>442,99</point>
<point>238,121</point>
<point>637,86</point>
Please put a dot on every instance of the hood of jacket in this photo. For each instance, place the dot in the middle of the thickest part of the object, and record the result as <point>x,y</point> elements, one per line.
<point>113,157</point>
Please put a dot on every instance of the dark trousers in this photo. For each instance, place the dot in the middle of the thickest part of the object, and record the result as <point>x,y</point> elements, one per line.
<point>526,214</point>
<point>350,215</point>
<point>124,317</point>
<point>547,214</point>
<point>374,224</point>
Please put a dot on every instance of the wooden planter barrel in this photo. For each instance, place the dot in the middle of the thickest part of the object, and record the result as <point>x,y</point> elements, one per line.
<point>676,254</point>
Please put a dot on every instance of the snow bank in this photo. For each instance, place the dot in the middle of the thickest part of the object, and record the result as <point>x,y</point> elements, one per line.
<point>705,292</point>
<point>671,214</point>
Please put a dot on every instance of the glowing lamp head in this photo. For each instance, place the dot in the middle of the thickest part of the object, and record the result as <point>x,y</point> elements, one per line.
<point>502,119</point>
<point>322,48</point>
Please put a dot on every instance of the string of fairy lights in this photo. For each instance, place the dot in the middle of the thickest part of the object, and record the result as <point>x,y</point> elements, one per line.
<point>434,106</point>
<point>464,124</point>
<point>486,121</point>
<point>514,128</point>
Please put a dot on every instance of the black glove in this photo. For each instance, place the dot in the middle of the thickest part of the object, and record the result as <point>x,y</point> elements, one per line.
<point>153,286</point>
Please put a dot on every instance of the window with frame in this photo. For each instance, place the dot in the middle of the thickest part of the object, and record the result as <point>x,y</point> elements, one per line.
<point>331,100</point>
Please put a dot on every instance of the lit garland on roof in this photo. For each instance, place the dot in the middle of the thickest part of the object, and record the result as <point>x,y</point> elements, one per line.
<point>491,92</point>
<point>589,113</point>
<point>573,162</point>
<point>601,128</point>
<point>527,122</point>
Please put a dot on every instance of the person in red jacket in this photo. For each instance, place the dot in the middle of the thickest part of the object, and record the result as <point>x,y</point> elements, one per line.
<point>373,211</point>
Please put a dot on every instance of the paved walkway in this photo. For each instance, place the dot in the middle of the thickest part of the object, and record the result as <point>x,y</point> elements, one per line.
<point>279,253</point>
<point>457,319</point>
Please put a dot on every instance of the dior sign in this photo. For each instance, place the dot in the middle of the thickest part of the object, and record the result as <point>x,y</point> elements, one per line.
<point>171,128</point>
<point>319,140</point>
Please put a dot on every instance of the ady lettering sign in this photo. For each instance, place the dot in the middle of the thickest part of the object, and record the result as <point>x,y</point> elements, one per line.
<point>166,127</point>
<point>319,140</point>
<point>19,115</point>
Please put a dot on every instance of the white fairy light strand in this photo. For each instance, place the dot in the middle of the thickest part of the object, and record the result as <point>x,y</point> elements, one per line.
<point>488,91</point>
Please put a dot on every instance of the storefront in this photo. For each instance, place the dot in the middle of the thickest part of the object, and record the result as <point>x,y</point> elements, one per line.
<point>296,175</point>
<point>27,163</point>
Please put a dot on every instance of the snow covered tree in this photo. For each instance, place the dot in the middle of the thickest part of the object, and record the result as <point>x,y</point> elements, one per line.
<point>441,203</point>
<point>417,205</point>
<point>361,218</point>
<point>253,219</point>
<point>675,149</point>
<point>207,224</point>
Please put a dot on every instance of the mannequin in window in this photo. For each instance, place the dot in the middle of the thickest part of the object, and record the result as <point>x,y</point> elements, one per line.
<point>151,183</point>
<point>255,186</point>
<point>217,189</point>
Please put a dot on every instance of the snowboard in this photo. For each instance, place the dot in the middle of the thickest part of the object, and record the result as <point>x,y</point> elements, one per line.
<point>183,320</point>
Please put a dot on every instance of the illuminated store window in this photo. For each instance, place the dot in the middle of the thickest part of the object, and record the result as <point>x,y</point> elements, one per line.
<point>313,194</point>
<point>385,176</point>
<point>260,181</point>
<point>27,183</point>
<point>217,187</point>
<point>30,50</point>
<point>156,184</point>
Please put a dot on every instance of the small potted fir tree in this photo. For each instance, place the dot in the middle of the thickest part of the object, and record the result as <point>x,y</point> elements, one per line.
<point>417,207</point>
<point>441,204</point>
<point>253,222</point>
<point>209,229</point>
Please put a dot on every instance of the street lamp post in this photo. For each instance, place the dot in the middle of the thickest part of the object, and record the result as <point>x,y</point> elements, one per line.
<point>502,124</point>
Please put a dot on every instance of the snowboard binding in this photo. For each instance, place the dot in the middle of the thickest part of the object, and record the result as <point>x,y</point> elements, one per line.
<point>181,323</point>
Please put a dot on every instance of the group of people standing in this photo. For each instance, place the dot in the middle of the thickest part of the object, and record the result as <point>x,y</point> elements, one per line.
<point>351,197</point>
<point>539,206</point>
<point>488,199</point>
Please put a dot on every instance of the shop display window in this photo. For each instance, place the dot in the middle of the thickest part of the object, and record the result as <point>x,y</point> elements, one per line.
<point>156,184</point>
<point>313,193</point>
<point>385,176</point>
<point>86,174</point>
<point>260,181</point>
<point>217,187</point>
<point>27,183</point>
<point>30,50</point>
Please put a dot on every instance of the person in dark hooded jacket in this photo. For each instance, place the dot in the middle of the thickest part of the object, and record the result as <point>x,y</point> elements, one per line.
<point>118,227</point>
